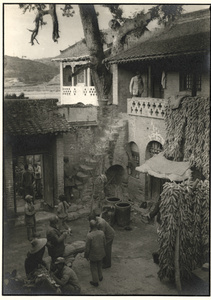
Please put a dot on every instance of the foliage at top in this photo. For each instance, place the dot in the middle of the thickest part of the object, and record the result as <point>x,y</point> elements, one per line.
<point>187,130</point>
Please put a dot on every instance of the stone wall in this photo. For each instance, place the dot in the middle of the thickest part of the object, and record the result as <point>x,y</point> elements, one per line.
<point>8,197</point>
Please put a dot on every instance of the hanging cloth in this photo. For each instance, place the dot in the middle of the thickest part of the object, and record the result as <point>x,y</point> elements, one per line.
<point>163,80</point>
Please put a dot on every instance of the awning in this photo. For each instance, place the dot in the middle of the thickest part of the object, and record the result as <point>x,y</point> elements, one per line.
<point>160,167</point>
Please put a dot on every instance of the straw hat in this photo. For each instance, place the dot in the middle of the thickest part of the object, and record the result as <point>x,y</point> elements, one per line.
<point>37,244</point>
<point>60,260</point>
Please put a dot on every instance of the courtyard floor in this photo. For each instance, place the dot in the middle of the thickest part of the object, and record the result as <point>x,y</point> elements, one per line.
<point>133,271</point>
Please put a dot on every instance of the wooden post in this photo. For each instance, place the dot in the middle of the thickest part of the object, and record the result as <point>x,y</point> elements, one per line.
<point>61,81</point>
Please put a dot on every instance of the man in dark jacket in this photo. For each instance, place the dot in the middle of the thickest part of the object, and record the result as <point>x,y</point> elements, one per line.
<point>109,236</point>
<point>55,240</point>
<point>94,252</point>
<point>66,278</point>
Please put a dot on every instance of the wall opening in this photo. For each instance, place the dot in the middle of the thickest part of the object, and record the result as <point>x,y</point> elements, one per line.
<point>153,186</point>
<point>115,177</point>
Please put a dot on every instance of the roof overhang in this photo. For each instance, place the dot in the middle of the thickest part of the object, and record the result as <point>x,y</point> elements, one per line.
<point>71,59</point>
<point>160,167</point>
<point>152,57</point>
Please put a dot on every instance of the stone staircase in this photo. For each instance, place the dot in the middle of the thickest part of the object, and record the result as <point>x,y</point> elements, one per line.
<point>91,167</point>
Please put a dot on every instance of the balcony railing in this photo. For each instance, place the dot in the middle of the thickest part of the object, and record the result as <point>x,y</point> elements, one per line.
<point>75,94</point>
<point>146,107</point>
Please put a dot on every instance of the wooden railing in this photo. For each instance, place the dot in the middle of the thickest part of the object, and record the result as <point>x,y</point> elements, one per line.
<point>146,107</point>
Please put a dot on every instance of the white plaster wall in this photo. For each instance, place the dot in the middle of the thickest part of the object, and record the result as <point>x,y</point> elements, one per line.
<point>142,130</point>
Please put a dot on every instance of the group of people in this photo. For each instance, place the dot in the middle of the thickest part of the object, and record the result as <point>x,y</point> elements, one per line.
<point>30,219</point>
<point>32,181</point>
<point>98,250</point>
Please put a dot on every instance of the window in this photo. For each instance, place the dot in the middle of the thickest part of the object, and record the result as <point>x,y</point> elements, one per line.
<point>134,160</point>
<point>190,81</point>
<point>154,148</point>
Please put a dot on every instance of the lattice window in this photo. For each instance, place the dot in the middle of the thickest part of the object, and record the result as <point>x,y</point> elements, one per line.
<point>187,82</point>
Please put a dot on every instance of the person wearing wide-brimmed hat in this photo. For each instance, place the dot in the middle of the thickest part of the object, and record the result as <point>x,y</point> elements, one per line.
<point>35,257</point>
<point>66,278</point>
<point>30,219</point>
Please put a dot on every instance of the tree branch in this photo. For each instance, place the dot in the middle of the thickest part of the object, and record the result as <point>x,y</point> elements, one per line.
<point>39,22</point>
<point>52,11</point>
<point>140,21</point>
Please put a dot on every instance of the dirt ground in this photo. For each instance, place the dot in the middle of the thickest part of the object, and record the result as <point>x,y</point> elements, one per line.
<point>133,271</point>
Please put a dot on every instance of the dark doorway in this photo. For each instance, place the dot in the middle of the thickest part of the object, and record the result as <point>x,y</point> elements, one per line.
<point>41,166</point>
<point>157,89</point>
<point>153,184</point>
<point>115,175</point>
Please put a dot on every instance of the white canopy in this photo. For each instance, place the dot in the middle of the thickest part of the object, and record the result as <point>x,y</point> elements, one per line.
<point>160,167</point>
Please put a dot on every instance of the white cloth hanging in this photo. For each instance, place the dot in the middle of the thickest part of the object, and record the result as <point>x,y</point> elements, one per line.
<point>163,80</point>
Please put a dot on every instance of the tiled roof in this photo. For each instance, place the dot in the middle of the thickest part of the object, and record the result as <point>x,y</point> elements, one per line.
<point>75,52</point>
<point>33,117</point>
<point>184,37</point>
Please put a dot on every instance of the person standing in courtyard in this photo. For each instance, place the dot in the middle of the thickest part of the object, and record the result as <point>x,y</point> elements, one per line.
<point>55,240</point>
<point>95,252</point>
<point>66,278</point>
<point>109,236</point>
<point>69,179</point>
<point>30,219</point>
<point>62,212</point>
<point>38,183</point>
<point>27,182</point>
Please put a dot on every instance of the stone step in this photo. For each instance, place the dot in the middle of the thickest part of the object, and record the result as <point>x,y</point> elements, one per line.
<point>82,176</point>
<point>116,127</point>
<point>90,161</point>
<point>78,182</point>
<point>86,168</point>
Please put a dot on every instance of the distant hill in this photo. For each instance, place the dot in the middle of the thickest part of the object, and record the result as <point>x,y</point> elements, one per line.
<point>29,71</point>
<point>49,62</point>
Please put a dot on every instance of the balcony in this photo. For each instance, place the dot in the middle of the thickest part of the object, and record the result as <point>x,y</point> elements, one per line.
<point>75,94</point>
<point>146,107</point>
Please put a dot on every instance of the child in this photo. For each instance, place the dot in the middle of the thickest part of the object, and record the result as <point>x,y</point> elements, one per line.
<point>30,220</point>
<point>62,212</point>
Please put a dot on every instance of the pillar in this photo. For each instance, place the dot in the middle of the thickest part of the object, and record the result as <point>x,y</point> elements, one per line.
<point>61,81</point>
<point>115,84</point>
<point>73,83</point>
<point>88,77</point>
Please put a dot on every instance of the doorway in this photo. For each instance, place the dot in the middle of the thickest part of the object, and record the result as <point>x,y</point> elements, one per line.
<point>157,89</point>
<point>35,165</point>
<point>153,184</point>
<point>41,166</point>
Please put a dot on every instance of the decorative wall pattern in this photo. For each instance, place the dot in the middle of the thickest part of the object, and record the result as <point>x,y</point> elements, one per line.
<point>75,94</point>
<point>146,107</point>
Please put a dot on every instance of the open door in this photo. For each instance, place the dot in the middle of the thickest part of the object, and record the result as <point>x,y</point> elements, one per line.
<point>48,179</point>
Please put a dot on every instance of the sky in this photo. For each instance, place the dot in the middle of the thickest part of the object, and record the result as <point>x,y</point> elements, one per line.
<point>16,34</point>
